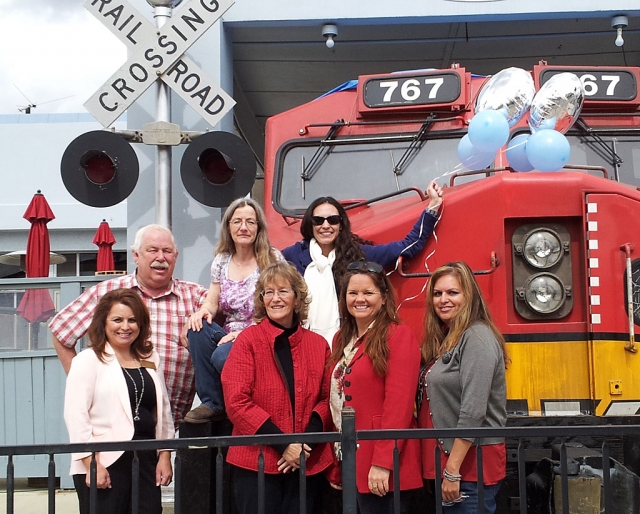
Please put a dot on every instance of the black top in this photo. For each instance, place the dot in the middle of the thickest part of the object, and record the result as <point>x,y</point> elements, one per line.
<point>282,349</point>
<point>145,428</point>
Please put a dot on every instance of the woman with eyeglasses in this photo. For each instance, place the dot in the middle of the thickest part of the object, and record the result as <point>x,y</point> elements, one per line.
<point>462,385</point>
<point>243,250</point>
<point>276,382</point>
<point>328,246</point>
<point>375,363</point>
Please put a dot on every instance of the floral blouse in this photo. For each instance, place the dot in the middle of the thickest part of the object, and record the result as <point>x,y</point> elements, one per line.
<point>236,297</point>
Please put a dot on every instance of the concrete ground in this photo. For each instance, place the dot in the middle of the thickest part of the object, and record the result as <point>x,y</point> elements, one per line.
<point>30,500</point>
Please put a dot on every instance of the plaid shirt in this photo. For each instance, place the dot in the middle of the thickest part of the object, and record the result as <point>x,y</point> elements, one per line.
<point>169,313</point>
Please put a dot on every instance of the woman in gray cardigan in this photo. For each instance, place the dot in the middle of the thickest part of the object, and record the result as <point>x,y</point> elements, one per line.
<point>462,385</point>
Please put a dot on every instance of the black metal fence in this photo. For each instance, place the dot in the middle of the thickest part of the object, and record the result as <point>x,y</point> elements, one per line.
<point>603,466</point>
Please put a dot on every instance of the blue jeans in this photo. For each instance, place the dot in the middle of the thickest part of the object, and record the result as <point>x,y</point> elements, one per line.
<point>208,359</point>
<point>470,505</point>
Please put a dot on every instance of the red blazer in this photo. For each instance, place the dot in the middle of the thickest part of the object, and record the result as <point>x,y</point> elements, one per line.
<point>384,403</point>
<point>255,390</point>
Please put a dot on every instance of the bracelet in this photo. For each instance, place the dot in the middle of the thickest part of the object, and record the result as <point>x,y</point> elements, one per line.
<point>432,212</point>
<point>450,476</point>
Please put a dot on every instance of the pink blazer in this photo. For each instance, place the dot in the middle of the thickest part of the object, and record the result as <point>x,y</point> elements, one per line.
<point>97,406</point>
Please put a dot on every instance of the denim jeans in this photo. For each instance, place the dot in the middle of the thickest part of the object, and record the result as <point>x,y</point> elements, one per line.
<point>470,505</point>
<point>204,350</point>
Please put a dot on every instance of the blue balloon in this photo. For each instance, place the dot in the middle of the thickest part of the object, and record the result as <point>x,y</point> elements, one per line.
<point>471,158</point>
<point>548,150</point>
<point>517,153</point>
<point>488,131</point>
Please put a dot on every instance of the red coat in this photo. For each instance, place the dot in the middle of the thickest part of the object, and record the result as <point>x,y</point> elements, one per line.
<point>255,390</point>
<point>385,403</point>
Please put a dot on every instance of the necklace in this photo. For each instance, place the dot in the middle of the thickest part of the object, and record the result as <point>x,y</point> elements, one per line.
<point>136,412</point>
<point>242,265</point>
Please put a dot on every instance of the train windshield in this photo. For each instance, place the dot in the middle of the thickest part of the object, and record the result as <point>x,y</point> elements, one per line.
<point>362,169</point>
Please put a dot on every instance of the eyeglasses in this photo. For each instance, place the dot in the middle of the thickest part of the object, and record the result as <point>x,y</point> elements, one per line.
<point>371,267</point>
<point>237,222</point>
<point>267,294</point>
<point>334,219</point>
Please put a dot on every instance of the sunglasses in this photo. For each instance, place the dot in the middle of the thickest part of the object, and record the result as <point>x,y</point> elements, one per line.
<point>335,219</point>
<point>371,267</point>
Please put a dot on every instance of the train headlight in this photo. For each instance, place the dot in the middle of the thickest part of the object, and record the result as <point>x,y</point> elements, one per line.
<point>542,270</point>
<point>544,293</point>
<point>542,248</point>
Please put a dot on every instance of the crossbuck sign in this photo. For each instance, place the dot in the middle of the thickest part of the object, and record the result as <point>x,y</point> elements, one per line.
<point>159,53</point>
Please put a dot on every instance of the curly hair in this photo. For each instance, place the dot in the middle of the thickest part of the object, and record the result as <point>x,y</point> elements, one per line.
<point>265,253</point>
<point>440,339</point>
<point>376,345</point>
<point>141,346</point>
<point>348,246</point>
<point>281,272</point>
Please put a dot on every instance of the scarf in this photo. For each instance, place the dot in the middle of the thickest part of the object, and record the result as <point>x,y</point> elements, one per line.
<point>324,317</point>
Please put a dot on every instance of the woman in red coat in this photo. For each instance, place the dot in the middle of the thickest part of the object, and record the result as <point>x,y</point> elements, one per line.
<point>275,381</point>
<point>375,363</point>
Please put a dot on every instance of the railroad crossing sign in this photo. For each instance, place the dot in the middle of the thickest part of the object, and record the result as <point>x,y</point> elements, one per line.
<point>159,53</point>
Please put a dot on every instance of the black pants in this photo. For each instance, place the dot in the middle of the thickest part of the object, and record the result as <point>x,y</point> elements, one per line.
<point>117,499</point>
<point>369,503</point>
<point>282,492</point>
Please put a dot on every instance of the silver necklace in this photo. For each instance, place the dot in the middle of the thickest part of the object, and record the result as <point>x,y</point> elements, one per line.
<point>242,265</point>
<point>136,412</point>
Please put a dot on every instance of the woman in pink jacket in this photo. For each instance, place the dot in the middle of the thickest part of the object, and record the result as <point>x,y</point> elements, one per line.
<point>116,392</point>
<point>275,381</point>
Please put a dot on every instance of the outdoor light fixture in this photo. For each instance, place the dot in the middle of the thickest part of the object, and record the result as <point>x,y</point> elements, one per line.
<point>330,31</point>
<point>619,22</point>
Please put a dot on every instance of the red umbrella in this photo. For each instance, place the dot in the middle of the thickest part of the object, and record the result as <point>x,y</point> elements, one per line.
<point>36,304</point>
<point>104,240</point>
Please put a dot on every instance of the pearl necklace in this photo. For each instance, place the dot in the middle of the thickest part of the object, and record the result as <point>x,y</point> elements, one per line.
<point>136,411</point>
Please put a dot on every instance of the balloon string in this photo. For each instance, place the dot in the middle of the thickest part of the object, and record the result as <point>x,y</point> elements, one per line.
<point>426,263</point>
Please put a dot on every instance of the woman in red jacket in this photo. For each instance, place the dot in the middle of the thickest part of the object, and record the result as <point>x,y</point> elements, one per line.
<point>375,363</point>
<point>275,381</point>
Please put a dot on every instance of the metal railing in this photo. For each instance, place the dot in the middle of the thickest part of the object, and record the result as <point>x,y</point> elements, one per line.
<point>18,334</point>
<point>517,437</point>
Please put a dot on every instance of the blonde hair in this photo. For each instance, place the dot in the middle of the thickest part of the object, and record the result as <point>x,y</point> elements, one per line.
<point>282,271</point>
<point>265,253</point>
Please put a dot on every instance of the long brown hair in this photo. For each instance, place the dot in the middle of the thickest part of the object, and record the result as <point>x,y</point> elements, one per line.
<point>440,339</point>
<point>142,346</point>
<point>376,345</point>
<point>265,254</point>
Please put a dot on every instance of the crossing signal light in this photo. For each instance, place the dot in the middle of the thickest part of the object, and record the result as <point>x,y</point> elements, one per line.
<point>217,168</point>
<point>99,168</point>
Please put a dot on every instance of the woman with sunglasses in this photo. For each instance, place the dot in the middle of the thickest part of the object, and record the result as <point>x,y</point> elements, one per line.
<point>328,246</point>
<point>276,382</point>
<point>243,250</point>
<point>375,361</point>
<point>462,385</point>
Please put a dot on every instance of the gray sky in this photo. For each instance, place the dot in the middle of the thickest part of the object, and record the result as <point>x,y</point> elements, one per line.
<point>53,49</point>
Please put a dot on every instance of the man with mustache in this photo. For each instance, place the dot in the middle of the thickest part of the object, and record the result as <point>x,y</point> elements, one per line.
<point>170,302</point>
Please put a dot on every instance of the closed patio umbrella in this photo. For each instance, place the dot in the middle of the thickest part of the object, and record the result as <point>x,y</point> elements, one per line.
<point>36,304</point>
<point>104,240</point>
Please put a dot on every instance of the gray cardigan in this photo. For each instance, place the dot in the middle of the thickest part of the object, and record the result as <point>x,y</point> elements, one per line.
<point>466,387</point>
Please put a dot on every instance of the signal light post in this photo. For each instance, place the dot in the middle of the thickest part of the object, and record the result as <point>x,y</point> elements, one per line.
<point>157,53</point>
